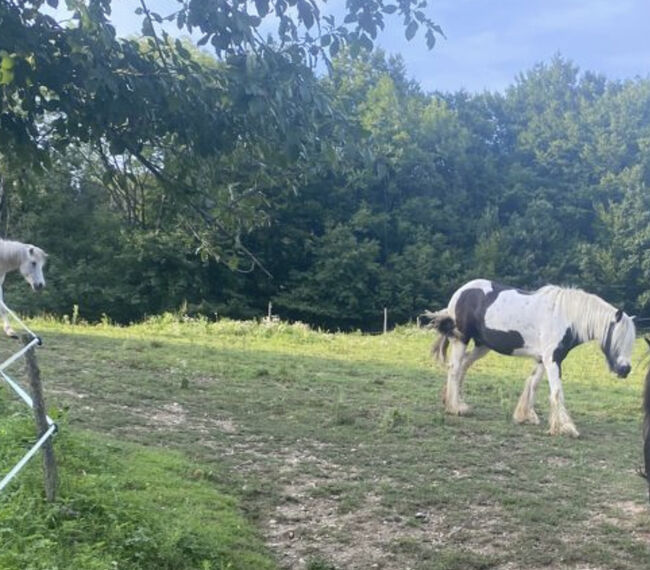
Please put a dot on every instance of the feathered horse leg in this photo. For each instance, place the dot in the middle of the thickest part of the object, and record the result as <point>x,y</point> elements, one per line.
<point>450,336</point>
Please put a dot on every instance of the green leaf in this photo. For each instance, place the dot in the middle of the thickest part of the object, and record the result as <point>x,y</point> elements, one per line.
<point>6,76</point>
<point>262,7</point>
<point>305,13</point>
<point>431,39</point>
<point>366,42</point>
<point>411,29</point>
<point>181,50</point>
<point>147,28</point>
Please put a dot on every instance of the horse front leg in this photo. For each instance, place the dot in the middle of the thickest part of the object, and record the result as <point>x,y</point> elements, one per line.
<point>559,420</point>
<point>6,325</point>
<point>525,410</point>
<point>453,402</point>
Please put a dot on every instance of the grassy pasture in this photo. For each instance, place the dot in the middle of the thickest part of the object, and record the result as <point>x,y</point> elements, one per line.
<point>336,448</point>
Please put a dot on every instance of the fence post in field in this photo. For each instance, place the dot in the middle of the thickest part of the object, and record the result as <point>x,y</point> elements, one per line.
<point>268,316</point>
<point>385,320</point>
<point>49,463</point>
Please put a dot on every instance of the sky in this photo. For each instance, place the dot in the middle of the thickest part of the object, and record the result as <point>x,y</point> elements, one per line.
<point>489,42</point>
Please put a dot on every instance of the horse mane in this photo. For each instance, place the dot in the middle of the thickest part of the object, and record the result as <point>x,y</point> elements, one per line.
<point>588,313</point>
<point>14,252</point>
<point>11,251</point>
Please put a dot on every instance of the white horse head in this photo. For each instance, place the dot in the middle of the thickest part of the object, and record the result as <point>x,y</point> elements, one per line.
<point>31,266</point>
<point>618,343</point>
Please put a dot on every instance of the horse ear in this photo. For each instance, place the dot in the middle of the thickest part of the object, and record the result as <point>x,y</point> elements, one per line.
<point>619,315</point>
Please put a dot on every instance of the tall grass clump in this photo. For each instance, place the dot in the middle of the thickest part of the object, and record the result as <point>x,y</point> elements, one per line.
<point>119,506</point>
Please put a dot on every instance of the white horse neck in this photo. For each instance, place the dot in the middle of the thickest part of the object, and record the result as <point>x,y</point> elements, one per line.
<point>11,255</point>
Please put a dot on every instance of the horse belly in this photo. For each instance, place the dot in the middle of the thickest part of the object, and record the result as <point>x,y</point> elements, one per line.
<point>511,324</point>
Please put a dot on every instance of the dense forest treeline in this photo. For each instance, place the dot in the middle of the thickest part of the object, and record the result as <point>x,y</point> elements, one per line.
<point>403,196</point>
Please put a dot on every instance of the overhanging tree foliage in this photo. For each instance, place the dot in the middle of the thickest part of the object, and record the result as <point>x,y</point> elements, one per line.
<point>157,103</point>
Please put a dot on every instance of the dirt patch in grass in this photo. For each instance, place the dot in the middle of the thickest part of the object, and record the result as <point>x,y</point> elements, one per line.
<point>226,425</point>
<point>310,522</point>
<point>68,392</point>
<point>555,461</point>
<point>168,415</point>
<point>321,514</point>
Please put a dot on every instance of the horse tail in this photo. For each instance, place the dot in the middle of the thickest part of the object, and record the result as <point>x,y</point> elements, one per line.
<point>439,349</point>
<point>445,324</point>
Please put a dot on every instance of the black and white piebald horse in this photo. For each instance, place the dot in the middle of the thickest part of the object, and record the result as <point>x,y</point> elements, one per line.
<point>544,325</point>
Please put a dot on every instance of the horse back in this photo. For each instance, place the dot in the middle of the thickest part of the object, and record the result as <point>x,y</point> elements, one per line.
<point>495,315</point>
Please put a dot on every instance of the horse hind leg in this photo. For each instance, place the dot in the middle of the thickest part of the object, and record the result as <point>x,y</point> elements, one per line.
<point>467,361</point>
<point>525,410</point>
<point>477,353</point>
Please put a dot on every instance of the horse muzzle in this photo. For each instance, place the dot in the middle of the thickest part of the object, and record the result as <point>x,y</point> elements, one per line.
<point>38,286</point>
<point>623,371</point>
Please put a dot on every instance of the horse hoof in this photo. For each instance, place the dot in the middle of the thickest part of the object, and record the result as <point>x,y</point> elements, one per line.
<point>569,430</point>
<point>529,417</point>
<point>532,420</point>
<point>460,410</point>
<point>11,333</point>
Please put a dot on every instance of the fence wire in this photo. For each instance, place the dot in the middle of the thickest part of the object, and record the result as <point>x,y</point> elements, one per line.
<point>24,396</point>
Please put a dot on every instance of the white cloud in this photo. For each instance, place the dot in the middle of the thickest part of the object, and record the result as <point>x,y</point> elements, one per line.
<point>576,15</point>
